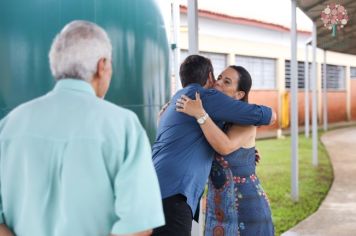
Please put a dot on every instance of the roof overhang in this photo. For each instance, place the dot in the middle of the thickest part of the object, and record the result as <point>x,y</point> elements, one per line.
<point>345,39</point>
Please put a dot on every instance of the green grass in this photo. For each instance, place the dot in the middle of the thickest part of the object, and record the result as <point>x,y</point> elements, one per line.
<point>274,173</point>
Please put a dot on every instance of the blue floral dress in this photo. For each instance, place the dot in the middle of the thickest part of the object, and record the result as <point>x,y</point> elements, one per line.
<point>236,202</point>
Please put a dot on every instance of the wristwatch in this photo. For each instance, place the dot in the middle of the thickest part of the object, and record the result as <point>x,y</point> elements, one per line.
<point>202,119</point>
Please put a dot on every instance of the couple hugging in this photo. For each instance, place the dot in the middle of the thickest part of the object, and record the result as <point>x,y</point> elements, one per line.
<point>207,132</point>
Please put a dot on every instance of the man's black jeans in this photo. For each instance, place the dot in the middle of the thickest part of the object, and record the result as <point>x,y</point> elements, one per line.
<point>178,217</point>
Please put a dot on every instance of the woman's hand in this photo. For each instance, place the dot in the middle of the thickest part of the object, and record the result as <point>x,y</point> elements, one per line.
<point>191,107</point>
<point>257,157</point>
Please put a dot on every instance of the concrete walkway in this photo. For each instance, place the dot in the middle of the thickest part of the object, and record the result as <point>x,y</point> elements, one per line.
<point>337,214</point>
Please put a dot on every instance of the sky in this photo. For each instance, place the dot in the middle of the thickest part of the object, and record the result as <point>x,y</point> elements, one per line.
<point>272,11</point>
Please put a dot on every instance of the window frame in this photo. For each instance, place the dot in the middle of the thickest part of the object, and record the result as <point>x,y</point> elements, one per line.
<point>261,59</point>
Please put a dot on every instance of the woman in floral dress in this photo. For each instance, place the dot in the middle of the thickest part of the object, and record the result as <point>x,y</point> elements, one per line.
<point>236,202</point>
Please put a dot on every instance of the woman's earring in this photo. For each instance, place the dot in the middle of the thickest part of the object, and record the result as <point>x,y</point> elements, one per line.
<point>240,95</point>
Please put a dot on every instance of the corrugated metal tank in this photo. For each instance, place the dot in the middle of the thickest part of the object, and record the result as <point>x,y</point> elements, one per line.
<point>140,51</point>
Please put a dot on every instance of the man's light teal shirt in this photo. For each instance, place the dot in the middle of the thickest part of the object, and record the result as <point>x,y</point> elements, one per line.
<point>74,164</point>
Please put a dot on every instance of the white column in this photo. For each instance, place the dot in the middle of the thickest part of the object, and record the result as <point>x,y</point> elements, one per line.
<point>193,48</point>
<point>348,93</point>
<point>314,100</point>
<point>176,40</point>
<point>231,59</point>
<point>198,228</point>
<point>325,96</point>
<point>294,105</point>
<point>306,91</point>
<point>193,26</point>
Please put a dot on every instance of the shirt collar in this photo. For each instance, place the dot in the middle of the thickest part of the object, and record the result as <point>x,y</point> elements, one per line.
<point>193,85</point>
<point>74,84</point>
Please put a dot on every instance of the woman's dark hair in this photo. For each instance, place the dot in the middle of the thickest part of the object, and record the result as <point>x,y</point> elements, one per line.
<point>245,82</point>
<point>195,69</point>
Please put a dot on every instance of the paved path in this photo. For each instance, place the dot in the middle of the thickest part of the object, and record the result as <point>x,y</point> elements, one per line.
<point>337,214</point>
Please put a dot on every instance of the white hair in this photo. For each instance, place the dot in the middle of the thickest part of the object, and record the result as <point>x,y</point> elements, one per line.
<point>76,50</point>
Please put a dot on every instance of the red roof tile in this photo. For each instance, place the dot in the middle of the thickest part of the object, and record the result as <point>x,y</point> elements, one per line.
<point>242,20</point>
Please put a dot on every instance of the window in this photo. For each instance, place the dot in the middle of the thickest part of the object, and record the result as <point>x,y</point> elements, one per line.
<point>335,77</point>
<point>301,70</point>
<point>218,60</point>
<point>262,70</point>
<point>353,72</point>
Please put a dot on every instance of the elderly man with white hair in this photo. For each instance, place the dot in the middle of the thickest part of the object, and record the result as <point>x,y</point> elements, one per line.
<point>72,163</point>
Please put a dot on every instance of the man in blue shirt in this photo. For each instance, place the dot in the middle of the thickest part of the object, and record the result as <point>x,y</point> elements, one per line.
<point>181,154</point>
<point>72,163</point>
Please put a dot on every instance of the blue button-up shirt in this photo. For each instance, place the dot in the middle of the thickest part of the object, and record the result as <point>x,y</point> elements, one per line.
<point>74,164</point>
<point>181,154</point>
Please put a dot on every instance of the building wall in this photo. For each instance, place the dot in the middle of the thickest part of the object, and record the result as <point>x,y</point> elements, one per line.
<point>337,106</point>
<point>301,108</point>
<point>232,39</point>
<point>353,99</point>
<point>268,98</point>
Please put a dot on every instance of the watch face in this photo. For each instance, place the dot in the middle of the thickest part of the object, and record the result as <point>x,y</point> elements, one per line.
<point>200,121</point>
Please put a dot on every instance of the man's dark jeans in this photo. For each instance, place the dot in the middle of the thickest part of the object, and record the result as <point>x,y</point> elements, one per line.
<point>178,217</point>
